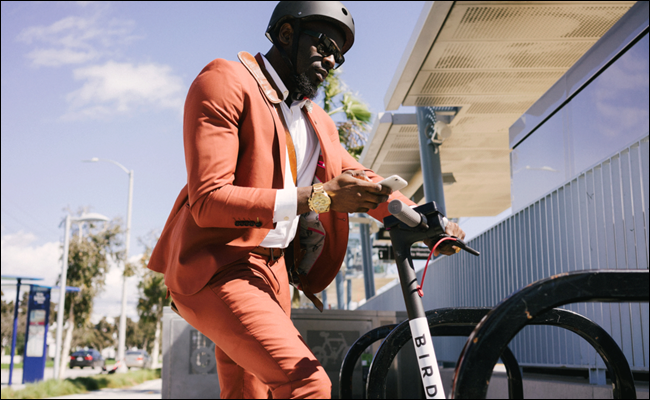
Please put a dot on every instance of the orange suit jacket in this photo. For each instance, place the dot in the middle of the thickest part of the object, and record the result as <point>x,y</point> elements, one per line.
<point>235,157</point>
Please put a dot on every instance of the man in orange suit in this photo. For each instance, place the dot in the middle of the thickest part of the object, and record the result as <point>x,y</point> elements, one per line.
<point>265,166</point>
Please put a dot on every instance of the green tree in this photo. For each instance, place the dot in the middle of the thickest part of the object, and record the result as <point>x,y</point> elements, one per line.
<point>97,336</point>
<point>8,324</point>
<point>135,337</point>
<point>337,98</point>
<point>153,297</point>
<point>88,263</point>
<point>105,334</point>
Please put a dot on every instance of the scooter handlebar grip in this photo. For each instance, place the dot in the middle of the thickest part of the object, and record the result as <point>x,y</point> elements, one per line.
<point>404,213</point>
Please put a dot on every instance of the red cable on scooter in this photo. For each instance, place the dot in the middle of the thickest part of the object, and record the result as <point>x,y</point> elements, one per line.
<point>420,292</point>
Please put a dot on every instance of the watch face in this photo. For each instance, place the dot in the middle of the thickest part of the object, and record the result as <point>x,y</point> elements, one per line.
<point>320,203</point>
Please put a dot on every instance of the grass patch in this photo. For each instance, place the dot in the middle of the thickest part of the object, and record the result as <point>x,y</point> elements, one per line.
<point>53,387</point>
<point>19,365</point>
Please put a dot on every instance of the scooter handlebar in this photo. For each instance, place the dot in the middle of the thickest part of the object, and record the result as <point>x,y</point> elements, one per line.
<point>405,213</point>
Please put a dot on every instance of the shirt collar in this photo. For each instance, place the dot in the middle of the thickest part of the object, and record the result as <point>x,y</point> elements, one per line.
<point>278,82</point>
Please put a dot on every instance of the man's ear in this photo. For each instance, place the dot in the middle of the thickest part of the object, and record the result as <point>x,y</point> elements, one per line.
<point>285,34</point>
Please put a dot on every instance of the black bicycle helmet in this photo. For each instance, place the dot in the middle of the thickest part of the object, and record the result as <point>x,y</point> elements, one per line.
<point>331,11</point>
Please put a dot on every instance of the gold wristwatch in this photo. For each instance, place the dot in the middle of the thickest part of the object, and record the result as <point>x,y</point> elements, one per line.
<point>319,201</point>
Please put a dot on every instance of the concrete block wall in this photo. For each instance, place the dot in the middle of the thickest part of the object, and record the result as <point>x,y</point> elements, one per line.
<point>189,365</point>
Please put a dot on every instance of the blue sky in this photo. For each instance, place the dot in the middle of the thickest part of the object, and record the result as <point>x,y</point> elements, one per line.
<point>108,80</point>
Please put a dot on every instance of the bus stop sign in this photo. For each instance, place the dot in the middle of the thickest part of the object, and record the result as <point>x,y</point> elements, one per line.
<point>38,315</point>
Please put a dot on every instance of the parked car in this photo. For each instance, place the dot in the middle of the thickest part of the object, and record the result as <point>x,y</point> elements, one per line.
<point>137,358</point>
<point>87,358</point>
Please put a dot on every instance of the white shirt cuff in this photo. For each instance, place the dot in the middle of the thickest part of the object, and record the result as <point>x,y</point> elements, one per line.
<point>286,204</point>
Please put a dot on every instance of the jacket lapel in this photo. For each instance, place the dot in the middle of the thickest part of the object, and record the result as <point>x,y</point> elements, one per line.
<point>325,170</point>
<point>255,65</point>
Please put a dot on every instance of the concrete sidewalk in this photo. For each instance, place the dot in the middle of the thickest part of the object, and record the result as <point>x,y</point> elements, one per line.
<point>147,390</point>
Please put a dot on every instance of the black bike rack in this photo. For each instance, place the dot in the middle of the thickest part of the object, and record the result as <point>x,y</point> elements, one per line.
<point>353,354</point>
<point>526,306</point>
<point>461,322</point>
<point>442,322</point>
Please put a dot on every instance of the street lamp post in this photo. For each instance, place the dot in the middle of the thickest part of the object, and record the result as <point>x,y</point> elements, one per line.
<point>122,331</point>
<point>64,276</point>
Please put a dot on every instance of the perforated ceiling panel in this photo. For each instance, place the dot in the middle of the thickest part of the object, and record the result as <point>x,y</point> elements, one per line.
<point>494,60</point>
<point>536,20</point>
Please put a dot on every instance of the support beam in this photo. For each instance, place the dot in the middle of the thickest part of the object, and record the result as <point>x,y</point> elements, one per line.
<point>366,252</point>
<point>430,158</point>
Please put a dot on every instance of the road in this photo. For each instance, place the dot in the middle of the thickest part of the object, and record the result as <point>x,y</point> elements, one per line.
<point>147,390</point>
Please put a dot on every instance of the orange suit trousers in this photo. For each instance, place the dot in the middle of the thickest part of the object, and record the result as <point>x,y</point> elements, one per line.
<point>245,309</point>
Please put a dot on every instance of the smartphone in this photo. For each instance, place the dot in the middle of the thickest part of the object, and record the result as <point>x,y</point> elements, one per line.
<point>395,182</point>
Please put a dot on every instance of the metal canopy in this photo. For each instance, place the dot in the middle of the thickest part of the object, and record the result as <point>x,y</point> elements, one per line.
<point>493,60</point>
<point>21,277</point>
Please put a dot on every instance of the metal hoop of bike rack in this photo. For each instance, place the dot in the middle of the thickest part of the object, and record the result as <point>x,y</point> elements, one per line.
<point>503,322</point>
<point>442,322</point>
<point>453,317</point>
<point>353,354</point>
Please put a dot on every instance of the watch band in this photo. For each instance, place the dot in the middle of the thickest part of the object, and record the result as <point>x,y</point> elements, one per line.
<point>317,189</point>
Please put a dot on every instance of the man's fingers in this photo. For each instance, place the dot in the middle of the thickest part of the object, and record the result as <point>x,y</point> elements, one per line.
<point>377,198</point>
<point>386,190</point>
<point>358,174</point>
<point>453,229</point>
<point>368,205</point>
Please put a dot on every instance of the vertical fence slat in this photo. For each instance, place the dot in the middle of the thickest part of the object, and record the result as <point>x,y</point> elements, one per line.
<point>627,174</point>
<point>553,262</point>
<point>561,234</point>
<point>621,251</point>
<point>644,150</point>
<point>601,234</point>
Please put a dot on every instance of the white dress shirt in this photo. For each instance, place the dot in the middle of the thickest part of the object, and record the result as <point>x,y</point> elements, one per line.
<point>307,148</point>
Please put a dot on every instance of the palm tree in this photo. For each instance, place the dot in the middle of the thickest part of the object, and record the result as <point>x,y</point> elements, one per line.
<point>339,99</point>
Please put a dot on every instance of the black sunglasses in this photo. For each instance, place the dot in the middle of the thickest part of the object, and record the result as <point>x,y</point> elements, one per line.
<point>326,47</point>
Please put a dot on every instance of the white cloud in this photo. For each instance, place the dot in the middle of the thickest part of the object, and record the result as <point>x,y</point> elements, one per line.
<point>56,57</point>
<point>76,40</point>
<point>20,256</point>
<point>120,87</point>
<point>50,33</point>
<point>112,86</point>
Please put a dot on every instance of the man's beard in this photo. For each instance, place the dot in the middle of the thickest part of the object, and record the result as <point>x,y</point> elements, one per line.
<point>304,87</point>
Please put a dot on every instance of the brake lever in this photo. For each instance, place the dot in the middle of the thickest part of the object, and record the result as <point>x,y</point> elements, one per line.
<point>457,243</point>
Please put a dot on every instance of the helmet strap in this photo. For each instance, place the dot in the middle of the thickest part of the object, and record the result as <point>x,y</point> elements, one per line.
<point>296,38</point>
<point>292,64</point>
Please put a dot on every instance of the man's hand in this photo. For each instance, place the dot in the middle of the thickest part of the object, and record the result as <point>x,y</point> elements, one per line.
<point>352,191</point>
<point>452,229</point>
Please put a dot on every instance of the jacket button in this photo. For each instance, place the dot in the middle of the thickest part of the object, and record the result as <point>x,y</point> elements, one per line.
<point>258,224</point>
<point>237,223</point>
<point>250,223</point>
